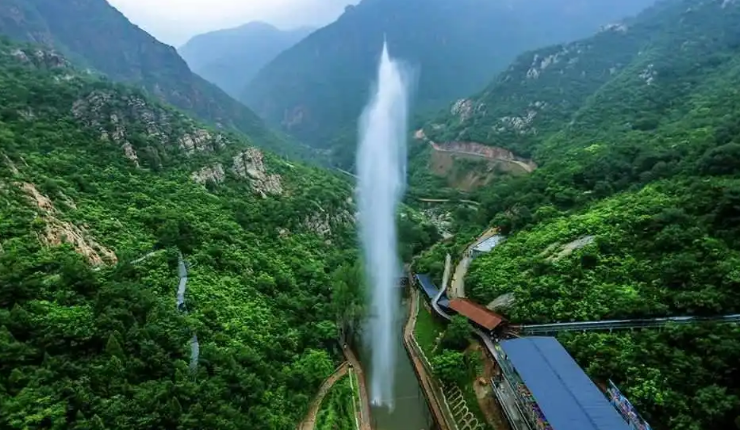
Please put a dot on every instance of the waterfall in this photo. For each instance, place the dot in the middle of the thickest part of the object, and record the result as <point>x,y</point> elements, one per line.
<point>381,167</point>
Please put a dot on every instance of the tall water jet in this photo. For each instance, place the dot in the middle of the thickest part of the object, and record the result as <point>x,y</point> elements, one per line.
<point>381,166</point>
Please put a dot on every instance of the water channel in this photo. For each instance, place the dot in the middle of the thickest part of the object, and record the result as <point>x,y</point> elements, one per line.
<point>410,410</point>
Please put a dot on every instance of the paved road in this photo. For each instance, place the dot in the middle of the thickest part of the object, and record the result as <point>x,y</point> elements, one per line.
<point>457,287</point>
<point>309,422</point>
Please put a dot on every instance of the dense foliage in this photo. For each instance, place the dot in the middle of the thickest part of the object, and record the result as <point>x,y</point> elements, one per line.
<point>633,211</point>
<point>95,34</point>
<point>316,89</point>
<point>231,58</point>
<point>337,411</point>
<point>97,198</point>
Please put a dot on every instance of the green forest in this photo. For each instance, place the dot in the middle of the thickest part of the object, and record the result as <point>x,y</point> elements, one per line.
<point>633,211</point>
<point>128,183</point>
<point>92,339</point>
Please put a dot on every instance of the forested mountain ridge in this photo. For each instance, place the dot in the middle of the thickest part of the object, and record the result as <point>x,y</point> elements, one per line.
<point>633,210</point>
<point>231,58</point>
<point>100,188</point>
<point>96,35</point>
<point>316,89</point>
<point>550,104</point>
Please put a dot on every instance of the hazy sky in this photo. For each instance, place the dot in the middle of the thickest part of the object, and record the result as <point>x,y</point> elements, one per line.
<point>175,21</point>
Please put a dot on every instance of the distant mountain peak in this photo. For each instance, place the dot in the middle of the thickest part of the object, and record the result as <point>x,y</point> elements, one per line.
<point>231,57</point>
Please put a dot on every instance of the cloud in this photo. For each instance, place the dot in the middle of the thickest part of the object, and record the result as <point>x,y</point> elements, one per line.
<point>174,21</point>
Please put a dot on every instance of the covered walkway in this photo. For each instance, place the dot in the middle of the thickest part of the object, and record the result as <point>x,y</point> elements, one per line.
<point>552,390</point>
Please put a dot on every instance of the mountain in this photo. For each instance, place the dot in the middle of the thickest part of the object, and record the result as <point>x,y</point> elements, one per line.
<point>316,89</point>
<point>93,33</point>
<point>231,58</point>
<point>631,209</point>
<point>100,188</point>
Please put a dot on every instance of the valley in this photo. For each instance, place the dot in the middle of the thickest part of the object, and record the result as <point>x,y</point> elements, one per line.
<point>204,242</point>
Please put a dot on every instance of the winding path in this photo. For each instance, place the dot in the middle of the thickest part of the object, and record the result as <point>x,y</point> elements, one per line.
<point>457,286</point>
<point>309,422</point>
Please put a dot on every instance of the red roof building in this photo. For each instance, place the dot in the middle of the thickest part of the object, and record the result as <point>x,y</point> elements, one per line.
<point>480,315</point>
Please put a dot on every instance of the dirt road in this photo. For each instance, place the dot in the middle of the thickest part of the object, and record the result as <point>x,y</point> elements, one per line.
<point>309,422</point>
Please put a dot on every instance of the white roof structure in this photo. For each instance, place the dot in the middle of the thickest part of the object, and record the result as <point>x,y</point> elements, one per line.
<point>488,244</point>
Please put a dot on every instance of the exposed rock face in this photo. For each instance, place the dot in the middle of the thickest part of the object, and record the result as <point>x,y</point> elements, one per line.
<point>441,220</point>
<point>490,163</point>
<point>57,232</point>
<point>249,164</point>
<point>521,124</point>
<point>102,111</point>
<point>485,151</point>
<point>567,249</point>
<point>213,173</point>
<point>649,74</point>
<point>321,223</point>
<point>200,140</point>
<point>618,27</point>
<point>466,108</point>
<point>40,57</point>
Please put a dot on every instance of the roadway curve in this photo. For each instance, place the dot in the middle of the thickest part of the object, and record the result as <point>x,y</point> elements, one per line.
<point>309,422</point>
<point>457,287</point>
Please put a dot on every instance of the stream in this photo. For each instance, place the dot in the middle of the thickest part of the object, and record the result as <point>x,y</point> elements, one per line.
<point>410,410</point>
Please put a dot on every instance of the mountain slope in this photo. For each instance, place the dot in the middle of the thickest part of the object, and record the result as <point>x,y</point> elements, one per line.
<point>100,188</point>
<point>316,89</point>
<point>231,58</point>
<point>633,211</point>
<point>95,34</point>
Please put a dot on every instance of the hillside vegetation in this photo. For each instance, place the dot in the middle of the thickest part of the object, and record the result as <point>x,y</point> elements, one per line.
<point>96,35</point>
<point>316,89</point>
<point>100,188</point>
<point>634,208</point>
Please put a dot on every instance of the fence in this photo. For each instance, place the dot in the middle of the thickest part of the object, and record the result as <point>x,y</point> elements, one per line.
<point>626,409</point>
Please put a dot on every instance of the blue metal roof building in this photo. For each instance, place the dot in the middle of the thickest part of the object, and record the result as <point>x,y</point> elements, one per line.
<point>566,396</point>
<point>431,290</point>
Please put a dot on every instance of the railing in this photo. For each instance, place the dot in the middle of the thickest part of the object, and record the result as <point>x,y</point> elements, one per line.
<point>535,329</point>
<point>356,401</point>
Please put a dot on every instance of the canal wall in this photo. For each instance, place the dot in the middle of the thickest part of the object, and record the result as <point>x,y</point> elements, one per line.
<point>441,412</point>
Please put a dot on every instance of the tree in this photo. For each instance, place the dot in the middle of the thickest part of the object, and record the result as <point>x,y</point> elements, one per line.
<point>458,333</point>
<point>450,366</point>
<point>113,348</point>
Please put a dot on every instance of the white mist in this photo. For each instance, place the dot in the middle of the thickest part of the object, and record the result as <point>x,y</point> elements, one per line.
<point>381,167</point>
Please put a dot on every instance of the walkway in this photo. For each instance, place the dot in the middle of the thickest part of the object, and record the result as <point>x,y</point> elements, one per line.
<point>431,200</point>
<point>539,329</point>
<point>309,422</point>
<point>364,397</point>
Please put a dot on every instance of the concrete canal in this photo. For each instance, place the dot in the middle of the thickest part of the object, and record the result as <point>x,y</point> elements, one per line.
<point>410,411</point>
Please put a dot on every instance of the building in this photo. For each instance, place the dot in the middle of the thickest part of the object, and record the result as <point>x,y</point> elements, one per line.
<point>550,390</point>
<point>486,246</point>
<point>431,291</point>
<point>484,318</point>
